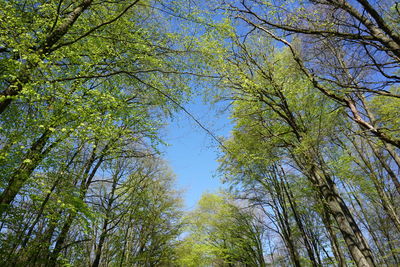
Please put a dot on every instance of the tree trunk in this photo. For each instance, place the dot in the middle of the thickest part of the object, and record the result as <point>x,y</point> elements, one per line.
<point>286,232</point>
<point>99,248</point>
<point>385,202</point>
<point>105,229</point>
<point>21,175</point>
<point>352,235</point>
<point>45,48</point>
<point>299,222</point>
<point>85,183</point>
<point>336,249</point>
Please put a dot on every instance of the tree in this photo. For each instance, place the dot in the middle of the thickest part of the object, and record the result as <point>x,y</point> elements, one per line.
<point>80,75</point>
<point>85,85</point>
<point>334,29</point>
<point>275,103</point>
<point>222,233</point>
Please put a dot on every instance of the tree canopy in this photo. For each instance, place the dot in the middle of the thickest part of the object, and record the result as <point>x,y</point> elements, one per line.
<point>312,163</point>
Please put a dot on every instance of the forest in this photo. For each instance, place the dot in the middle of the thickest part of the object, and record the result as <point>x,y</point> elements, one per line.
<point>311,166</point>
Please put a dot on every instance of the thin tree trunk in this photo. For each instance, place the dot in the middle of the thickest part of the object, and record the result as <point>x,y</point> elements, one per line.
<point>336,249</point>
<point>385,202</point>
<point>389,148</point>
<point>287,234</point>
<point>105,229</point>
<point>298,220</point>
<point>47,198</point>
<point>365,220</point>
<point>85,183</point>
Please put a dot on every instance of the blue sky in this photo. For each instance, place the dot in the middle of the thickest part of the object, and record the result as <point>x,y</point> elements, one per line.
<point>192,153</point>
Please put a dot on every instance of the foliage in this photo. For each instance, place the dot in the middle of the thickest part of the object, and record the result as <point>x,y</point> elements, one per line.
<point>222,233</point>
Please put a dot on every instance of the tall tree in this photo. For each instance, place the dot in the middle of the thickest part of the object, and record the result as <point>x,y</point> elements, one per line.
<point>223,233</point>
